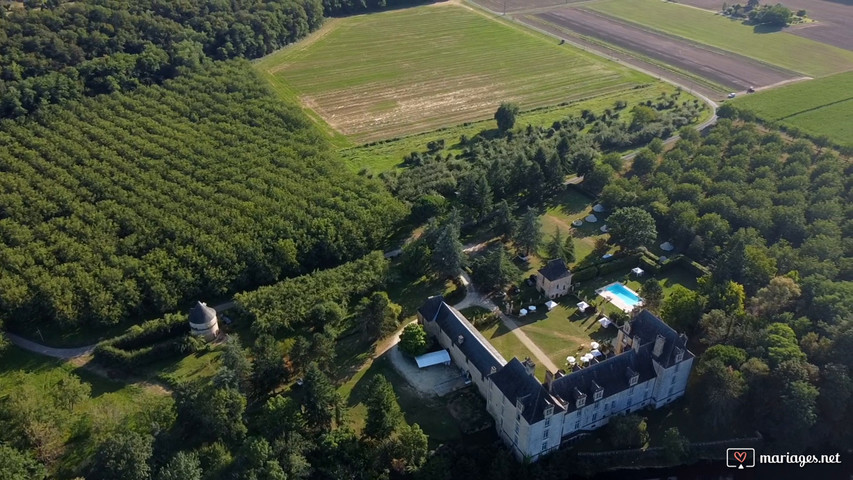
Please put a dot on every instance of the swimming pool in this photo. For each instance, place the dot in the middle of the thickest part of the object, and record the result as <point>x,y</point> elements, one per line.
<point>621,296</point>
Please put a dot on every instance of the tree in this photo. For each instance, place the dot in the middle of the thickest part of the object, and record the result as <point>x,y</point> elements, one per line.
<point>125,456</point>
<point>236,368</point>
<point>652,292</point>
<point>223,414</point>
<point>447,256</point>
<point>719,391</point>
<point>325,314</point>
<point>675,445</point>
<point>320,399</point>
<point>504,221</point>
<point>505,116</point>
<point>495,270</point>
<point>775,297</point>
<point>529,234</point>
<point>644,162</point>
<point>631,228</point>
<point>716,327</point>
<point>383,412</point>
<point>597,178</point>
<point>682,308</point>
<point>568,253</point>
<point>380,315</point>
<point>183,466</point>
<point>413,339</point>
<point>414,445</point>
<point>555,246</point>
<point>627,431</point>
<point>17,465</point>
<point>268,369</point>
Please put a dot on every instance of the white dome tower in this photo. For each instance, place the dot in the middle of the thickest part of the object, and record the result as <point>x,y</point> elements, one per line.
<point>203,321</point>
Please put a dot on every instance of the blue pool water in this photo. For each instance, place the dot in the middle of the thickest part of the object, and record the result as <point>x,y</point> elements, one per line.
<point>628,296</point>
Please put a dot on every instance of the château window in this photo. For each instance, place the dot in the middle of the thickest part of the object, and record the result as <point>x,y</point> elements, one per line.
<point>547,422</point>
<point>597,395</point>
<point>577,424</point>
<point>544,446</point>
<point>545,433</point>
<point>594,417</point>
<point>516,429</point>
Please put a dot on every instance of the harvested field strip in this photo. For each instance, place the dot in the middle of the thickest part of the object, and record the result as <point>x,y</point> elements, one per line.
<point>396,73</point>
<point>776,48</point>
<point>624,54</point>
<point>733,71</point>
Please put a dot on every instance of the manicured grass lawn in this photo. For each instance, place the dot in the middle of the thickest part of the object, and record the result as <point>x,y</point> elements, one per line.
<point>777,48</point>
<point>508,345</point>
<point>819,107</point>
<point>395,73</point>
<point>563,331</point>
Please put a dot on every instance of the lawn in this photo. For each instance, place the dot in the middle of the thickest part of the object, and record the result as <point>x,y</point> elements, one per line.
<point>430,413</point>
<point>395,73</point>
<point>782,49</point>
<point>112,405</point>
<point>818,107</point>
<point>562,210</point>
<point>509,345</point>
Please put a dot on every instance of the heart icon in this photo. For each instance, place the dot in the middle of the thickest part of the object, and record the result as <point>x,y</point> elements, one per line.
<point>740,456</point>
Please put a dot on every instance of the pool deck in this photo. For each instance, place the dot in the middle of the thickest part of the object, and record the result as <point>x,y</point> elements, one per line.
<point>616,300</point>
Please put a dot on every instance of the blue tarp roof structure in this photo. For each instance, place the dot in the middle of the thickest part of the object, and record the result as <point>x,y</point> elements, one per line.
<point>433,358</point>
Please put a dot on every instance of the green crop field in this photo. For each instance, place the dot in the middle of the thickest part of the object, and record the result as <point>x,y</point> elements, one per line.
<point>788,51</point>
<point>818,107</point>
<point>396,73</point>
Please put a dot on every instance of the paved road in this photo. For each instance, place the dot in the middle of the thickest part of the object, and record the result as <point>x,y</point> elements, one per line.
<point>63,353</point>
<point>69,353</point>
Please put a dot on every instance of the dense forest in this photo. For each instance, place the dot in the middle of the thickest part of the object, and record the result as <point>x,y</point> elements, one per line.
<point>132,204</point>
<point>771,218</point>
<point>52,51</point>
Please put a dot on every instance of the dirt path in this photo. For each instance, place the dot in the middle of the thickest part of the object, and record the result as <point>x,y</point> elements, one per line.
<point>474,298</point>
<point>151,386</point>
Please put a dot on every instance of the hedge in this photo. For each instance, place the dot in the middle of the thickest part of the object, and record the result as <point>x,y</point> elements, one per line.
<point>143,344</point>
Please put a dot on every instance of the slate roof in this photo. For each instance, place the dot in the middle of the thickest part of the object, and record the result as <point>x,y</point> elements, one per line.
<point>430,308</point>
<point>647,326</point>
<point>516,384</point>
<point>474,346</point>
<point>201,314</point>
<point>611,374</point>
<point>555,270</point>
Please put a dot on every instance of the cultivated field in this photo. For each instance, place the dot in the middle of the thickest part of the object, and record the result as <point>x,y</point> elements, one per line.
<point>777,48</point>
<point>514,6</point>
<point>390,74</point>
<point>726,69</point>
<point>819,107</point>
<point>834,19</point>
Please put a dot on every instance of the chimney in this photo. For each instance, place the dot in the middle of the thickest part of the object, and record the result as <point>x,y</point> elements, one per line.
<point>620,338</point>
<point>636,343</point>
<point>460,339</point>
<point>659,342</point>
<point>529,365</point>
<point>549,380</point>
